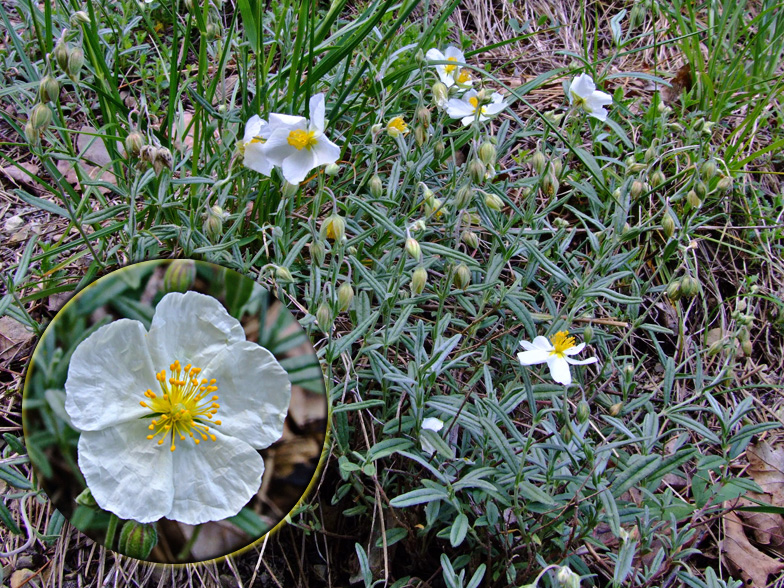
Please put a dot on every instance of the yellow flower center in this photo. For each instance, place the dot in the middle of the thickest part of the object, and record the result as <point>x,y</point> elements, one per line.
<point>561,342</point>
<point>474,101</point>
<point>300,139</point>
<point>398,124</point>
<point>463,77</point>
<point>186,406</point>
<point>450,68</point>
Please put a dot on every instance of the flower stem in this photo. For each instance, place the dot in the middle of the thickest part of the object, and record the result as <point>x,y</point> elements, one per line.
<point>186,550</point>
<point>111,529</point>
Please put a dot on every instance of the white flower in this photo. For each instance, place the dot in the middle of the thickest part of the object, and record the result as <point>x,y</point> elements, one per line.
<point>171,419</point>
<point>555,354</point>
<point>583,94</point>
<point>469,108</point>
<point>297,144</point>
<point>451,74</point>
<point>252,145</point>
<point>432,424</point>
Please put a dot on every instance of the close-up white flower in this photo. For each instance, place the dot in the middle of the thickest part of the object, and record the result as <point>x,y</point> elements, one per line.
<point>450,73</point>
<point>470,108</point>
<point>432,424</point>
<point>252,145</point>
<point>556,353</point>
<point>297,144</point>
<point>583,94</point>
<point>171,418</point>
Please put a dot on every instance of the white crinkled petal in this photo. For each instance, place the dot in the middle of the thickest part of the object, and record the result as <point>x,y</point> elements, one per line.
<point>191,328</point>
<point>468,120</point>
<point>581,361</point>
<point>435,55</point>
<point>574,350</point>
<point>533,357</point>
<point>457,108</point>
<point>317,111</point>
<point>582,86</point>
<point>253,127</point>
<point>256,159</point>
<point>542,343</point>
<point>254,394</point>
<point>127,473</point>
<point>432,423</point>
<point>297,165</point>
<point>213,480</point>
<point>277,147</point>
<point>527,345</point>
<point>108,375</point>
<point>559,370</point>
<point>286,120</point>
<point>595,104</point>
<point>325,151</point>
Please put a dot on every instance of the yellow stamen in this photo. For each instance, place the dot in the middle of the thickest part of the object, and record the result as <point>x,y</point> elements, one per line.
<point>187,405</point>
<point>398,124</point>
<point>463,77</point>
<point>474,101</point>
<point>561,342</point>
<point>450,68</point>
<point>300,139</point>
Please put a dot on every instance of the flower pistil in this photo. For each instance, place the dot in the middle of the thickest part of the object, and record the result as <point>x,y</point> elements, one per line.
<point>301,139</point>
<point>561,342</point>
<point>185,407</point>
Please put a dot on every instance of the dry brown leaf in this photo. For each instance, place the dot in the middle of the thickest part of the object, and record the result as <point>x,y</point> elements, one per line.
<point>743,557</point>
<point>18,176</point>
<point>14,336</point>
<point>682,82</point>
<point>21,578</point>
<point>766,467</point>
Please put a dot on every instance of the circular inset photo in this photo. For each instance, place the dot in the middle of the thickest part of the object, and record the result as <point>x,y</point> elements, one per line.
<point>175,411</point>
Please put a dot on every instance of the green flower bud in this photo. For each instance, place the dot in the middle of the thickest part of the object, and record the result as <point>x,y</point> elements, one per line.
<point>137,539</point>
<point>419,57</point>
<point>674,290</point>
<point>179,276</point>
<point>423,116</point>
<point>539,162</point>
<point>557,166</point>
<point>345,296</point>
<point>48,89</point>
<point>746,347</point>
<point>725,184</point>
<point>333,227</point>
<point>716,348</point>
<point>462,277</point>
<point>493,202</point>
<point>332,169</point>
<point>75,62</point>
<point>213,222</point>
<point>31,134</point>
<point>41,117</point>
<point>86,498</point>
<point>650,154</point>
<point>566,577</point>
<point>212,31</point>
<point>324,317</point>
<point>677,127</point>
<point>282,274</point>
<point>420,135</point>
<point>588,334</point>
<point>709,169</point>
<point>550,184</point>
<point>418,280</point>
<point>697,125</point>
<point>440,94</point>
<point>134,142</point>
<point>617,194</point>
<point>636,189</point>
<point>668,224</point>
<point>616,408</point>
<point>78,18</point>
<point>61,52</point>
<point>438,149</point>
<point>470,238</point>
<point>693,200</point>
<point>464,197</point>
<point>375,186</point>
<point>413,248</point>
<point>690,287</point>
<point>317,252</point>
<point>427,193</point>
<point>163,160</point>
<point>583,411</point>
<point>657,178</point>
<point>376,128</point>
<point>476,171</point>
<point>487,153</point>
<point>701,189</point>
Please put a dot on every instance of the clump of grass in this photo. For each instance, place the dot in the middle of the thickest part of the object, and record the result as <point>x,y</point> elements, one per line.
<point>654,236</point>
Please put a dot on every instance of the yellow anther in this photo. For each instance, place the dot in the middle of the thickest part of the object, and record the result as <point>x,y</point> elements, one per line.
<point>217,422</point>
<point>301,139</point>
<point>450,68</point>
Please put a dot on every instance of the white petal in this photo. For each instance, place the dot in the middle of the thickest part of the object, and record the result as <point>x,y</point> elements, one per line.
<point>559,370</point>
<point>581,361</point>
<point>582,86</point>
<point>214,479</point>
<point>495,108</point>
<point>191,328</point>
<point>457,108</point>
<point>277,147</point>
<point>433,424</point>
<point>533,357</point>
<point>108,375</point>
<point>254,394</point>
<point>575,350</point>
<point>317,111</point>
<point>256,159</point>
<point>543,343</point>
<point>127,473</point>
<point>253,127</point>
<point>427,446</point>
<point>435,55</point>
<point>297,165</point>
<point>595,104</point>
<point>527,345</point>
<point>468,120</point>
<point>325,151</point>
<point>452,51</point>
<point>286,120</point>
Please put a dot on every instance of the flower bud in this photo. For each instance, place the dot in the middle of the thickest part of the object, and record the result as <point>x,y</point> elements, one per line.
<point>697,125</point>
<point>48,89</point>
<point>493,202</point>
<point>413,248</point>
<point>61,52</point>
<point>587,334</point>
<point>487,153</point>
<point>324,317</point>
<point>376,128</point>
<point>434,207</point>
<point>462,277</point>
<point>419,57</point>
<point>333,227</point>
<point>282,274</point>
<point>137,539</point>
<point>78,18</point>
<point>709,169</point>
<point>317,252</point>
<point>420,135</point>
<point>134,142</point>
<point>86,498</point>
<point>213,222</point>
<point>470,238</point>
<point>163,160</point>
<point>438,149</point>
<point>567,578</point>
<point>41,117</point>
<point>30,133</point>
<point>440,94</point>
<point>583,411</point>
<point>550,184</point>
<point>674,290</point>
<point>701,189</point>
<point>418,280</point>
<point>75,62</point>
<point>650,153</point>
<point>636,189</point>
<point>715,348</point>
<point>668,224</point>
<point>212,31</point>
<point>423,116</point>
<point>615,409</point>
<point>476,170</point>
<point>418,225</point>
<point>375,186</point>
<point>657,178</point>
<point>345,296</point>
<point>464,197</point>
<point>179,276</point>
<point>332,169</point>
<point>557,166</point>
<point>539,162</point>
<point>725,184</point>
<point>746,347</point>
<point>690,287</point>
<point>397,126</point>
<point>693,200</point>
